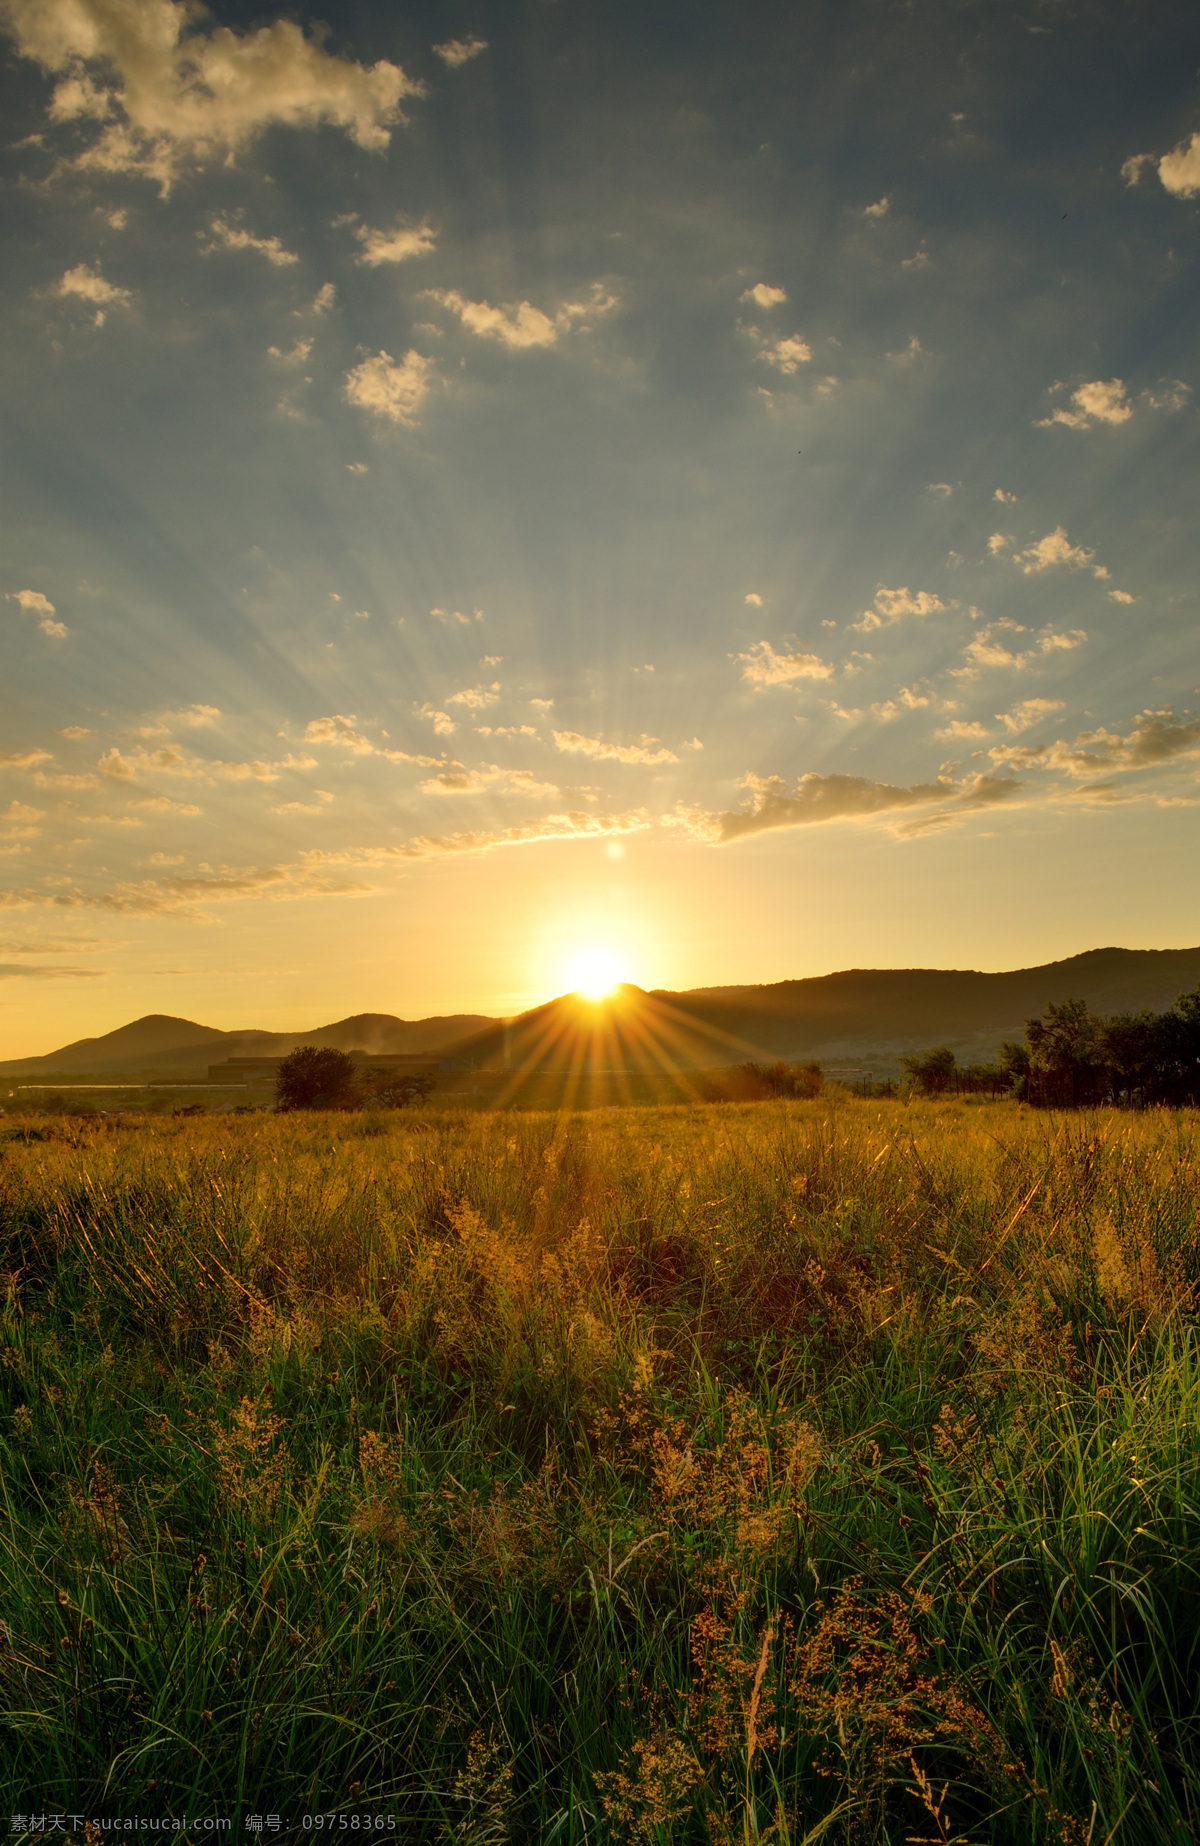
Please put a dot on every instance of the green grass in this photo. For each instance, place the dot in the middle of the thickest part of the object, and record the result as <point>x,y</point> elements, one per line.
<point>783,1471</point>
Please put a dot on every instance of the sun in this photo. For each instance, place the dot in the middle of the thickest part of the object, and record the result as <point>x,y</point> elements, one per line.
<point>594,971</point>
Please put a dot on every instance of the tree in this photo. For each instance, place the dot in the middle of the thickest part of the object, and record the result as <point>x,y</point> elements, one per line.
<point>1068,1065</point>
<point>315,1077</point>
<point>933,1072</point>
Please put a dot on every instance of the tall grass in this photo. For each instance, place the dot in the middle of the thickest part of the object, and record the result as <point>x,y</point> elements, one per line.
<point>791,1471</point>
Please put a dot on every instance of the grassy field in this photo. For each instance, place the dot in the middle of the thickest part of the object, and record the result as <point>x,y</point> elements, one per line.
<point>781,1471</point>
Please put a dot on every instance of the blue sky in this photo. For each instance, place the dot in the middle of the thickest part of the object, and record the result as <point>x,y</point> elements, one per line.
<point>484,481</point>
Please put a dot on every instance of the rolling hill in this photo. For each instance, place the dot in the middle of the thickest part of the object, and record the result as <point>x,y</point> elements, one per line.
<point>858,1012</point>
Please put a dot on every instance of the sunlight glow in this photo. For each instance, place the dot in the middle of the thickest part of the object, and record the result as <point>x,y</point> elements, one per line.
<point>594,971</point>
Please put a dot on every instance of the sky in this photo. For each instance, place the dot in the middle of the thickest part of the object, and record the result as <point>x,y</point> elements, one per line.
<point>484,484</point>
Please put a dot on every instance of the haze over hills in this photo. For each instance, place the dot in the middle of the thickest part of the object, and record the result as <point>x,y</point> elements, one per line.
<point>853,1013</point>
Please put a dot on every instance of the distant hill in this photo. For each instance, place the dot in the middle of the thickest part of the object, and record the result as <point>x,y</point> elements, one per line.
<point>858,1012</point>
<point>899,1009</point>
<point>855,1013</point>
<point>180,1047</point>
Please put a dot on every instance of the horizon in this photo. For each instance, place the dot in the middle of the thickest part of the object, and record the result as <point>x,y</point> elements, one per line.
<point>500,503</point>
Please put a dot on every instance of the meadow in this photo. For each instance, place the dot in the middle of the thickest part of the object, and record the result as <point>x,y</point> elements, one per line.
<point>782,1471</point>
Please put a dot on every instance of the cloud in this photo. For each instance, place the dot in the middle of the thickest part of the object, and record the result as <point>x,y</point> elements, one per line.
<point>394,246</point>
<point>569,826</point>
<point>23,759</point>
<point>180,895</point>
<point>908,355</point>
<point>75,730</point>
<point>880,209</point>
<point>1169,394</point>
<point>1156,737</point>
<point>164,89</point>
<point>454,618</point>
<point>754,599</point>
<point>305,807</point>
<point>602,752</point>
<point>1179,170</point>
<point>961,727</point>
<point>1121,596</point>
<point>476,698</point>
<point>986,650</point>
<point>1028,713</point>
<point>459,51</point>
<point>32,602</point>
<point>518,325</point>
<point>339,729</point>
<point>1008,499</point>
<point>787,356</point>
<point>1100,401</point>
<point>393,391</point>
<point>942,488</point>
<point>443,724</point>
<point>489,777</point>
<point>324,299</point>
<point>1055,548</point>
<point>297,356</point>
<point>90,285</point>
<point>907,699</point>
<point>818,798</point>
<point>765,295</point>
<point>11,970</point>
<point>762,666</point>
<point>171,760</point>
<point>232,237</point>
<point>1131,169</point>
<point>893,605</point>
<point>194,718</point>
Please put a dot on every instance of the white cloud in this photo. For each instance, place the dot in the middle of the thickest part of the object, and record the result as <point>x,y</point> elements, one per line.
<point>458,51</point>
<point>1169,394</point>
<point>1179,170</point>
<point>818,798</point>
<point>297,356</point>
<point>942,488</point>
<point>1156,737</point>
<point>962,727</point>
<point>908,355</point>
<point>1029,712</point>
<point>476,698</point>
<point>195,717</point>
<point>394,246</point>
<point>762,666</point>
<point>1121,596</point>
<point>23,759</point>
<point>518,325</point>
<point>787,356</point>
<point>602,752</point>
<point>32,602</point>
<point>765,295</point>
<point>489,778</point>
<point>339,729</point>
<point>1131,169</point>
<point>1008,499</point>
<point>390,390</point>
<point>229,236</point>
<point>75,730</point>
<point>907,699</point>
<point>454,618</point>
<point>1056,548</point>
<point>918,260</point>
<point>357,468</point>
<point>443,724</point>
<point>893,605</point>
<point>324,299</point>
<point>570,826</point>
<point>880,209</point>
<point>986,650</point>
<point>165,89</point>
<point>1101,401</point>
<point>90,285</point>
<point>754,599</point>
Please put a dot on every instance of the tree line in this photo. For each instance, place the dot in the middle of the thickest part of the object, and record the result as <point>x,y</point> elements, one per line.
<point>1071,1057</point>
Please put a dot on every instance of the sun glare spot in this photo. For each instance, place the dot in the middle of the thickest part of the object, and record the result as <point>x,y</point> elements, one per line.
<point>594,972</point>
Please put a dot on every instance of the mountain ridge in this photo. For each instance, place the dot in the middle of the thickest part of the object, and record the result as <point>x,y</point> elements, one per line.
<point>849,1012</point>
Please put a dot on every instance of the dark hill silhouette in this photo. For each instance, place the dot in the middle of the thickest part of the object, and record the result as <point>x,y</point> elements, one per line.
<point>844,1015</point>
<point>851,1013</point>
<point>180,1047</point>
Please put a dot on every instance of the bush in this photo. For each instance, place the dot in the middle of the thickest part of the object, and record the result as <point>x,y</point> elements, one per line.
<point>315,1077</point>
